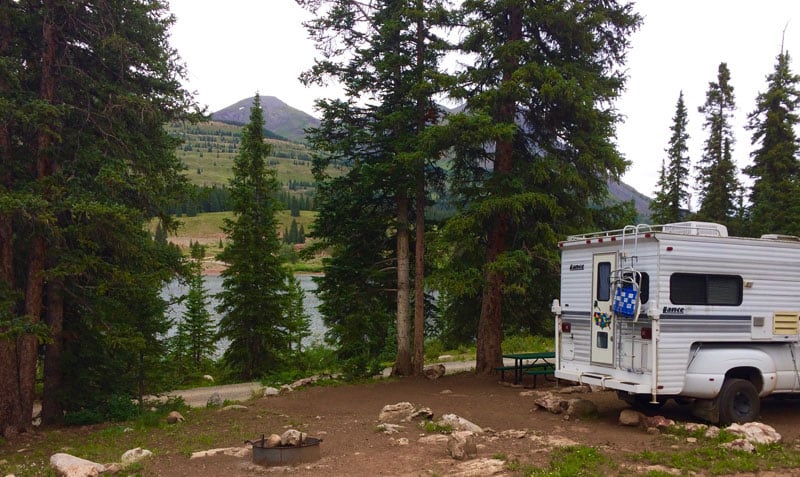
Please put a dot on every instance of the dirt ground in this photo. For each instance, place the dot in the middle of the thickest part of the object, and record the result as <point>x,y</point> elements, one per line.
<point>345,417</point>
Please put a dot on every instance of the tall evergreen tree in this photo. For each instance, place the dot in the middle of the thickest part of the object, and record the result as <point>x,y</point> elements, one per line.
<point>540,94</point>
<point>254,299</point>
<point>86,89</point>
<point>673,187</point>
<point>386,56</point>
<point>717,182</point>
<point>197,332</point>
<point>775,196</point>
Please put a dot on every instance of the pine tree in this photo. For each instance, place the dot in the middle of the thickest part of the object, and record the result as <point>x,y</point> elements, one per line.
<point>672,189</point>
<point>717,182</point>
<point>197,331</point>
<point>298,322</point>
<point>775,196</point>
<point>253,302</point>
<point>538,95</point>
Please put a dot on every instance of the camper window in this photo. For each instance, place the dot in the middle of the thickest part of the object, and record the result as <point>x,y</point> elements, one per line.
<point>604,281</point>
<point>705,289</point>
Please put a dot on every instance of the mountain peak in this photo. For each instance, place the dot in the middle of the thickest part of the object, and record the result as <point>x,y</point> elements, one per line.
<point>279,117</point>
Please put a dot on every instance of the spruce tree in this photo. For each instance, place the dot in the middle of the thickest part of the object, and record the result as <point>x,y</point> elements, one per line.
<point>253,302</point>
<point>197,332</point>
<point>716,180</point>
<point>672,190</point>
<point>775,196</point>
<point>539,95</point>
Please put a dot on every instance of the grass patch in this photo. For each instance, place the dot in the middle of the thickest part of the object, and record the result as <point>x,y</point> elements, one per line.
<point>576,461</point>
<point>432,427</point>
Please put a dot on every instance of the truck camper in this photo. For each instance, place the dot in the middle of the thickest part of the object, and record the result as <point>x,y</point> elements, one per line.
<point>681,311</point>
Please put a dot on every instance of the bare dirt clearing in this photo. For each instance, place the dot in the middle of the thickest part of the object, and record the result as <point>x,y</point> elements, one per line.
<point>346,418</point>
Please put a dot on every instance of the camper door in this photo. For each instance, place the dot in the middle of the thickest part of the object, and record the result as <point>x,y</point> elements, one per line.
<point>602,325</point>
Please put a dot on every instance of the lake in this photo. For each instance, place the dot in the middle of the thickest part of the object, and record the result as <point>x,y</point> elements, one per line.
<point>213,285</point>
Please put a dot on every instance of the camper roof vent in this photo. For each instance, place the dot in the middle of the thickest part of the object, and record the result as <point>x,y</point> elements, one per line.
<point>710,229</point>
<point>785,238</point>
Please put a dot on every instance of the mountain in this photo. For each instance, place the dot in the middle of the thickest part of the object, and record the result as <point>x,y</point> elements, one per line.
<point>279,117</point>
<point>624,193</point>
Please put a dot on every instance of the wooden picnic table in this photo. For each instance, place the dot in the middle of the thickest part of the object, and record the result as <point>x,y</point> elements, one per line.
<point>535,363</point>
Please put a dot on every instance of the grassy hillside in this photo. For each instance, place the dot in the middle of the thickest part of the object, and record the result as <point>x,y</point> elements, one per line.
<point>209,149</point>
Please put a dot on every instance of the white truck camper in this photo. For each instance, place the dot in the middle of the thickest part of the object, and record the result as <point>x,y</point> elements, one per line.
<point>681,311</point>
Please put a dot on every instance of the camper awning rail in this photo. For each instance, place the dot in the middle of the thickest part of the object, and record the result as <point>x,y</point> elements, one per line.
<point>707,229</point>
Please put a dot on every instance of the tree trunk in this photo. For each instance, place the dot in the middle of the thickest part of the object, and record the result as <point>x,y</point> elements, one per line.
<point>489,353</point>
<point>52,411</point>
<point>402,365</point>
<point>419,227</point>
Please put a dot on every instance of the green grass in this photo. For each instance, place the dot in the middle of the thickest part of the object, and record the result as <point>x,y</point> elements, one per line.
<point>575,461</point>
<point>511,344</point>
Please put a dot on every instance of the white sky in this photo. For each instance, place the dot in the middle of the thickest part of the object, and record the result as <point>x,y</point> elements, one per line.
<point>237,47</point>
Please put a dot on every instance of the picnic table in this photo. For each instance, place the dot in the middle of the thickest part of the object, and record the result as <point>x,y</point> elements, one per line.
<point>534,364</point>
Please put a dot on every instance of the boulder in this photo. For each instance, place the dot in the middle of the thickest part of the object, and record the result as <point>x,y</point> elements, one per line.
<point>581,408</point>
<point>458,423</point>
<point>174,417</point>
<point>434,372</point>
<point>215,400</point>
<point>270,391</point>
<point>741,445</point>
<point>134,455</point>
<point>552,403</point>
<point>658,422</point>
<point>292,437</point>
<point>423,414</point>
<point>234,407</point>
<point>461,445</point>
<point>208,377</point>
<point>629,417</point>
<point>66,465</point>
<point>399,412</point>
<point>434,439</point>
<point>755,432</point>
<point>274,440</point>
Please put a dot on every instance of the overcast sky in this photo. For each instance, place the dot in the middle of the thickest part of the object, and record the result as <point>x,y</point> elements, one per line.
<point>237,47</point>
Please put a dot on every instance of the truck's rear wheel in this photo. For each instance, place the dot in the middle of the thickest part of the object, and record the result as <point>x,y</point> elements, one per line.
<point>738,401</point>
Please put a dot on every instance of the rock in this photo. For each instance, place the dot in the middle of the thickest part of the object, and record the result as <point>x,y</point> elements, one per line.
<point>234,407</point>
<point>387,428</point>
<point>399,412</point>
<point>208,377</point>
<point>274,440</point>
<point>174,417</point>
<point>629,417</point>
<point>513,434</point>
<point>445,357</point>
<point>303,382</point>
<point>270,391</point>
<point>445,391</point>
<point>659,422</point>
<point>292,437</point>
<point>434,439</point>
<point>552,403</point>
<point>434,372</point>
<point>479,468</point>
<point>66,465</point>
<point>112,469</point>
<point>285,388</point>
<point>581,408</point>
<point>241,452</point>
<point>403,441</point>
<point>423,413</point>
<point>461,445</point>
<point>458,423</point>
<point>741,445</point>
<point>712,432</point>
<point>215,400</point>
<point>134,455</point>
<point>755,432</point>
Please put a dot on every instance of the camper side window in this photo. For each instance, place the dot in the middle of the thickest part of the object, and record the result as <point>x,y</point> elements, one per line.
<point>704,289</point>
<point>603,281</point>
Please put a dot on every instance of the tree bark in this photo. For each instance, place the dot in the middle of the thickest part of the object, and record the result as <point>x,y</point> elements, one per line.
<point>489,353</point>
<point>52,410</point>
<point>402,365</point>
<point>419,203</point>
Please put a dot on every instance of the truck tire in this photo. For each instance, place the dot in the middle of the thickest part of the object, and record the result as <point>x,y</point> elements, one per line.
<point>738,402</point>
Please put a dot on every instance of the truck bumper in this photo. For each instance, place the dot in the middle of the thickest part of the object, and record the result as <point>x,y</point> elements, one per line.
<point>605,381</point>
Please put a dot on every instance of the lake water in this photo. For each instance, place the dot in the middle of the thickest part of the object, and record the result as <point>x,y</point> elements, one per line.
<point>213,285</point>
